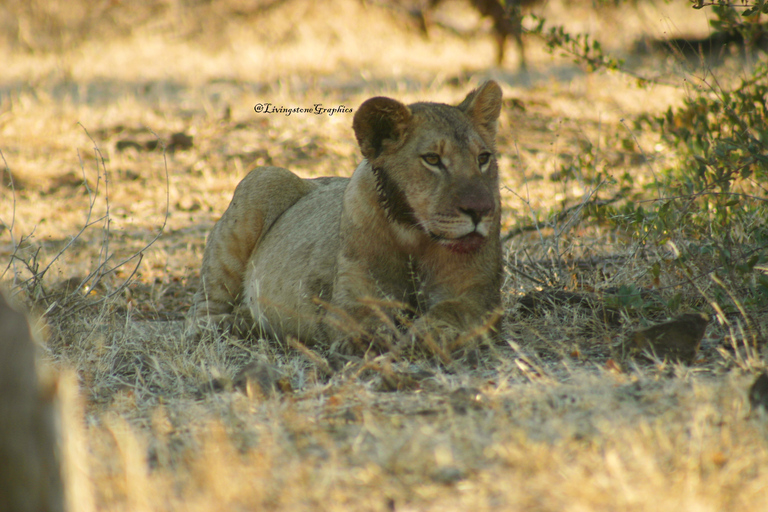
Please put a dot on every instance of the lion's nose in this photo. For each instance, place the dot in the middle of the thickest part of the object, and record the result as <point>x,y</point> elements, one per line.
<point>476,209</point>
<point>474,201</point>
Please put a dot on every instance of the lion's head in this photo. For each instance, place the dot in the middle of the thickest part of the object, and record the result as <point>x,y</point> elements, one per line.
<point>435,164</point>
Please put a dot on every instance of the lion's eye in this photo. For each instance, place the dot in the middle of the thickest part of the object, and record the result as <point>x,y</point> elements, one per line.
<point>483,158</point>
<point>432,159</point>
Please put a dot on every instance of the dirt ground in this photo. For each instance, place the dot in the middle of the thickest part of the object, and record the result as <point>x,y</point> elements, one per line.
<point>123,134</point>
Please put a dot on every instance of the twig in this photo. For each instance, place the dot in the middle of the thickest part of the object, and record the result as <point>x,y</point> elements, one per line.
<point>37,276</point>
<point>99,271</point>
<point>13,217</point>
<point>705,193</point>
<point>560,216</point>
<point>706,273</point>
<point>550,39</point>
<point>516,270</point>
<point>700,4</point>
<point>102,269</point>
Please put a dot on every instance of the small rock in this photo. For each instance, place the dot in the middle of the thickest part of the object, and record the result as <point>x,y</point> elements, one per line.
<point>261,380</point>
<point>677,340</point>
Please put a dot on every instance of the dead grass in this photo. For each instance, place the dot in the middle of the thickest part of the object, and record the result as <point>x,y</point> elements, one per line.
<point>543,421</point>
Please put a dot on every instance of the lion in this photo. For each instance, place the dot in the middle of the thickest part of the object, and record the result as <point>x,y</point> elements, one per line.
<point>409,243</point>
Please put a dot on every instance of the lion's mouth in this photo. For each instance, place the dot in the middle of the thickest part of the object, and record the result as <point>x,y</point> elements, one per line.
<point>465,244</point>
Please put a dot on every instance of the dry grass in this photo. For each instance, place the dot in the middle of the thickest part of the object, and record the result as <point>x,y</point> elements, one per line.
<point>544,421</point>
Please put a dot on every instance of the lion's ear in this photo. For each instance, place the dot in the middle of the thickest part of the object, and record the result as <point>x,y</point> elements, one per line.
<point>483,106</point>
<point>377,121</point>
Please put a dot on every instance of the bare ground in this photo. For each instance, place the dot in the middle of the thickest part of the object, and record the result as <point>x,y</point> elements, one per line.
<point>105,214</point>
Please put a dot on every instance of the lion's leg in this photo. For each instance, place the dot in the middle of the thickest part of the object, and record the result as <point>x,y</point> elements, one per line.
<point>259,199</point>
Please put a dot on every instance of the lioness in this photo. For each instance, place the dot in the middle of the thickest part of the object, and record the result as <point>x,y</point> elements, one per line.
<point>416,224</point>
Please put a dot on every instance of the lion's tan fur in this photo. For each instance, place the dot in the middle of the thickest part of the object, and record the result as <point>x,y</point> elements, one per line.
<point>417,223</point>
